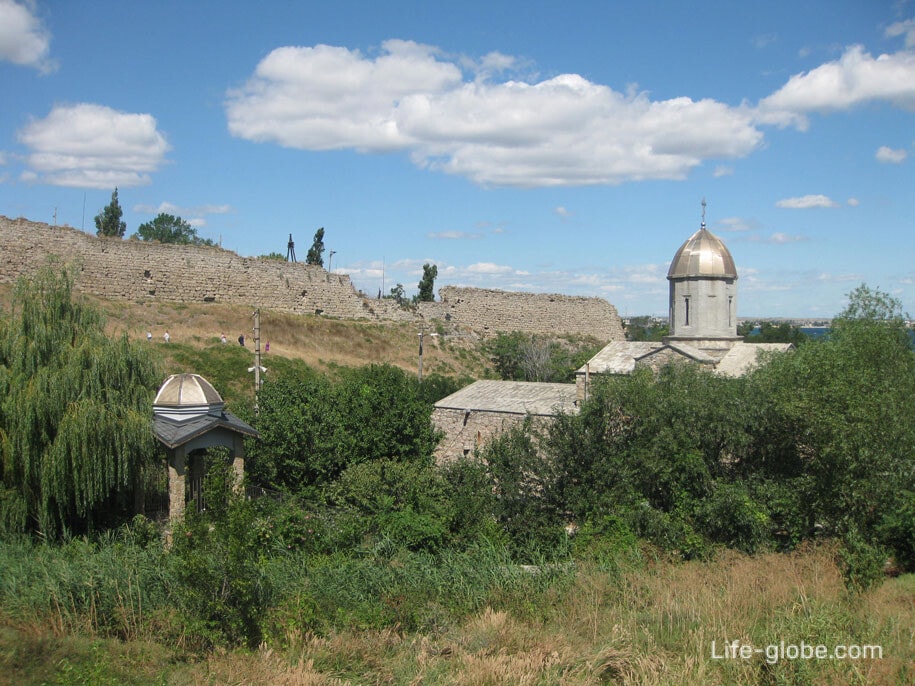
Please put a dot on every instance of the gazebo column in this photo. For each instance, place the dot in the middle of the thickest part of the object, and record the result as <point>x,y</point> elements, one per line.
<point>176,484</point>
<point>238,461</point>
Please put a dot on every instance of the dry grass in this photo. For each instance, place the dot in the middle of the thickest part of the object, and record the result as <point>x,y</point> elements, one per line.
<point>653,624</point>
<point>319,341</point>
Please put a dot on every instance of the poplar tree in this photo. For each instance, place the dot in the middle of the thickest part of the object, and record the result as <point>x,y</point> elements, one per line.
<point>316,251</point>
<point>108,221</point>
<point>75,412</point>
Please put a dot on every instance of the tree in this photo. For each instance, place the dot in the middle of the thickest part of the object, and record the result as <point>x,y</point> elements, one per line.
<point>316,251</point>
<point>427,284</point>
<point>75,437</point>
<point>398,295</point>
<point>108,221</point>
<point>166,228</point>
<point>312,429</point>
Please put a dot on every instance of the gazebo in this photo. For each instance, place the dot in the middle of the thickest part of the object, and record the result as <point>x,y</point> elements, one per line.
<point>188,416</point>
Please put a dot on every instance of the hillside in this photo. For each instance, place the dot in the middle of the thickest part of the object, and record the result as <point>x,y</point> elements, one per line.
<point>320,342</point>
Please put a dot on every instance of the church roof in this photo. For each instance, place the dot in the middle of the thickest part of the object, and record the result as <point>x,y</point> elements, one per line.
<point>703,254</point>
<point>513,397</point>
<point>744,357</point>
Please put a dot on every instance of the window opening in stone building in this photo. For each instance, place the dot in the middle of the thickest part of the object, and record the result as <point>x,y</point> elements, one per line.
<point>686,311</point>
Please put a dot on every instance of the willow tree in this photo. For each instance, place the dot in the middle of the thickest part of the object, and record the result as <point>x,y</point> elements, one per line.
<point>75,411</point>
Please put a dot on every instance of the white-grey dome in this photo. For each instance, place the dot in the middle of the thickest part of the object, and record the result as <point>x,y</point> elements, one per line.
<point>187,395</point>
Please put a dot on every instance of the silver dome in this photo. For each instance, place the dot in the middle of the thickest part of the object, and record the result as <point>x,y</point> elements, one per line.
<point>703,254</point>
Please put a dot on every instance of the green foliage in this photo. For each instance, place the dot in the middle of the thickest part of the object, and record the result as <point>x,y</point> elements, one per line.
<point>398,295</point>
<point>221,584</point>
<point>312,429</point>
<point>279,257</point>
<point>772,332</point>
<point>166,228</point>
<point>645,329</point>
<point>427,284</point>
<point>316,251</point>
<point>519,356</point>
<point>75,435</point>
<point>108,220</point>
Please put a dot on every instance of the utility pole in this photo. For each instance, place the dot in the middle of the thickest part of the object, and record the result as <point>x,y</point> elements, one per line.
<point>330,259</point>
<point>421,334</point>
<point>257,368</point>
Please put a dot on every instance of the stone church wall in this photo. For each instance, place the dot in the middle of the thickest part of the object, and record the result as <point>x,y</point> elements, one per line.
<point>118,269</point>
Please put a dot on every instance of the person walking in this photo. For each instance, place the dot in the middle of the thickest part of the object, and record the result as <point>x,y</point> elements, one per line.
<point>166,336</point>
<point>241,340</point>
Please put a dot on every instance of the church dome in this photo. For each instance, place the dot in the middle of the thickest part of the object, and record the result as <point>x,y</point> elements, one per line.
<point>703,254</point>
<point>184,396</point>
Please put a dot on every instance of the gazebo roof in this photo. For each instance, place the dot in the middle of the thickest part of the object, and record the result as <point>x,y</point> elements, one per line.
<point>187,407</point>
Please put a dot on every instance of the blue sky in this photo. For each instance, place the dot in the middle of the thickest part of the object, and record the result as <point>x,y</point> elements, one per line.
<point>541,146</point>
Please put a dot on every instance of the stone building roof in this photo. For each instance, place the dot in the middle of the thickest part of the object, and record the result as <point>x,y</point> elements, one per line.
<point>622,357</point>
<point>744,357</point>
<point>513,397</point>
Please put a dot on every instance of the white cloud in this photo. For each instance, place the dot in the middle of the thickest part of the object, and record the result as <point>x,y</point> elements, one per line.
<point>889,155</point>
<point>903,28</point>
<point>853,202</point>
<point>23,38</point>
<point>853,79</point>
<point>778,238</point>
<point>171,208</point>
<point>93,146</point>
<point>563,212</point>
<point>490,268</point>
<point>723,170</point>
<point>737,224</point>
<point>455,236</point>
<point>806,201</point>
<point>564,131</point>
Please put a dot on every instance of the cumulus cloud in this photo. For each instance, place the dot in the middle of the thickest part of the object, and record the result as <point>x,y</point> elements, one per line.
<point>737,224</point>
<point>853,202</point>
<point>93,146</point>
<point>806,201</point>
<point>854,79</point>
<point>563,131</point>
<point>889,155</point>
<point>23,38</point>
<point>903,28</point>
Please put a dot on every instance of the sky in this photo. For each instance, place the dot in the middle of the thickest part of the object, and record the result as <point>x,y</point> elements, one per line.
<point>535,146</point>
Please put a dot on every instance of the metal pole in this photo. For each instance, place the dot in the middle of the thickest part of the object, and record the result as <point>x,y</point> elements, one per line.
<point>421,332</point>
<point>257,358</point>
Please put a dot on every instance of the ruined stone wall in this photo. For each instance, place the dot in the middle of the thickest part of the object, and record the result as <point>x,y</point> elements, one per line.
<point>503,311</point>
<point>118,269</point>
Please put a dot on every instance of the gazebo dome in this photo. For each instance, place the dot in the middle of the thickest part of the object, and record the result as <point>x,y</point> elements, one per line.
<point>702,255</point>
<point>185,396</point>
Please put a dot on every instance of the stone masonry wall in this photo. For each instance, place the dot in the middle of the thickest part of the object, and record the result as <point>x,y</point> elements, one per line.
<point>502,311</point>
<point>137,270</point>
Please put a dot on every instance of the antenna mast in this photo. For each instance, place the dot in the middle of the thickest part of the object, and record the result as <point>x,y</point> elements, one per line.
<point>290,250</point>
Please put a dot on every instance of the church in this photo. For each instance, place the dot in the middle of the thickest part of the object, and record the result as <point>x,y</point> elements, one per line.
<point>703,330</point>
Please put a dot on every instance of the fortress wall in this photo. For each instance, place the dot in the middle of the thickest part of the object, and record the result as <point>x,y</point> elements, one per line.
<point>503,311</point>
<point>119,269</point>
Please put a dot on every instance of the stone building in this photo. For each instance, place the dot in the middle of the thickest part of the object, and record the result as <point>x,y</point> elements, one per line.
<point>481,411</point>
<point>703,330</point>
<point>703,319</point>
